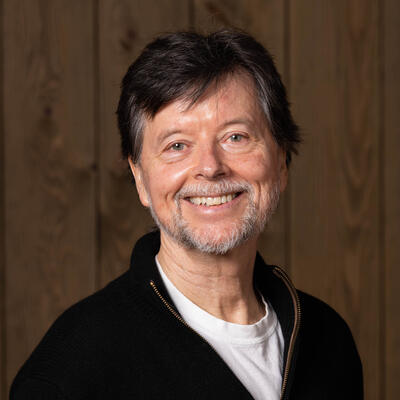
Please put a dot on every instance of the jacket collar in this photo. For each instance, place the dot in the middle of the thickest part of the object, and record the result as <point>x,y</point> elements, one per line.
<point>271,281</point>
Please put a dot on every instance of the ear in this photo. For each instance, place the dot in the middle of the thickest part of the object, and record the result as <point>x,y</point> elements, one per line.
<point>140,186</point>
<point>283,170</point>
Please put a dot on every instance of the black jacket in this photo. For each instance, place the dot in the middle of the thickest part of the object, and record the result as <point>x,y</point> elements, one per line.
<point>127,341</point>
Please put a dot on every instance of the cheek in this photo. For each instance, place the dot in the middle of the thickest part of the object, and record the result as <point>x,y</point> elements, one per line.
<point>259,168</point>
<point>164,182</point>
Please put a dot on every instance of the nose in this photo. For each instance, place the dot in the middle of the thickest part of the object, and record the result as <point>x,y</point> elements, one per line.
<point>209,163</point>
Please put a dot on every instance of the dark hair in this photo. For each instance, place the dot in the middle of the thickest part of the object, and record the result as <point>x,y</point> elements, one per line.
<point>183,65</point>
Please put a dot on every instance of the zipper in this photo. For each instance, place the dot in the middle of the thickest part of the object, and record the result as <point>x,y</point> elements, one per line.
<point>297,318</point>
<point>176,315</point>
<point>182,321</point>
<point>297,315</point>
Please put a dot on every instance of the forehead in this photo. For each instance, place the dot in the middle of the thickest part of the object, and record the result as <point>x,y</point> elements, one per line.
<point>233,98</point>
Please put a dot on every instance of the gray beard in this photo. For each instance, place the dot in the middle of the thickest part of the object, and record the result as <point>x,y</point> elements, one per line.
<point>251,224</point>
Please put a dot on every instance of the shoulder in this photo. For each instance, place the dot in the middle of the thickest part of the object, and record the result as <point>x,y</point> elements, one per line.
<point>79,343</point>
<point>87,316</point>
<point>326,335</point>
<point>327,352</point>
<point>321,317</point>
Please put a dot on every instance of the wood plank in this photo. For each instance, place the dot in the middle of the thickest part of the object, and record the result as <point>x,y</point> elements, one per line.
<point>3,344</point>
<point>125,27</point>
<point>334,75</point>
<point>391,168</point>
<point>49,159</point>
<point>265,20</point>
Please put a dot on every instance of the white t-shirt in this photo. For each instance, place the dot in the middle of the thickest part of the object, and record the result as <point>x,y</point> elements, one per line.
<point>253,352</point>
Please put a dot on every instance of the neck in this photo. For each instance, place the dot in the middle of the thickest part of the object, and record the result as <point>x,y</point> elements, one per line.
<point>222,285</point>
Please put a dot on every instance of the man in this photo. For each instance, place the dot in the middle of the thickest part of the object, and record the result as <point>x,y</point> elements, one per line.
<point>207,132</point>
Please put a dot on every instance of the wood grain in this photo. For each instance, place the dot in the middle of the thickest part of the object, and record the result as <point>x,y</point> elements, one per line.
<point>3,360</point>
<point>61,63</point>
<point>125,27</point>
<point>391,168</point>
<point>49,160</point>
<point>334,75</point>
<point>265,20</point>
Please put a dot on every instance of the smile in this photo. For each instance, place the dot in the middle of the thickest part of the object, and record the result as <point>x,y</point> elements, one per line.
<point>213,200</point>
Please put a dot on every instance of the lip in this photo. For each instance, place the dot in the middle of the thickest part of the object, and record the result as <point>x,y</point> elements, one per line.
<point>211,194</point>
<point>216,208</point>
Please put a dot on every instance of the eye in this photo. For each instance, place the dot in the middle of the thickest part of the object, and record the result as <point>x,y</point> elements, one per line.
<point>177,146</point>
<point>235,137</point>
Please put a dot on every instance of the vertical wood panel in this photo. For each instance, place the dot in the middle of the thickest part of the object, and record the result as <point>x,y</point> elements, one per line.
<point>47,182</point>
<point>3,360</point>
<point>125,27</point>
<point>49,179</point>
<point>391,164</point>
<point>334,75</point>
<point>265,21</point>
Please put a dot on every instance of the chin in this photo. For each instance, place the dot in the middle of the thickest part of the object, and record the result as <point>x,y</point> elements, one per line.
<point>218,240</point>
<point>221,238</point>
<point>213,245</point>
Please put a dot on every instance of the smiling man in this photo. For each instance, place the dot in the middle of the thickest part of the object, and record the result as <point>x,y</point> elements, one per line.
<point>211,172</point>
<point>208,135</point>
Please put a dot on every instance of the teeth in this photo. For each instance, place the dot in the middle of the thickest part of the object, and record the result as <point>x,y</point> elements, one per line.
<point>213,201</point>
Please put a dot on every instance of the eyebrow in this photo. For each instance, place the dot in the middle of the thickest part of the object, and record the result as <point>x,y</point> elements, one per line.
<point>167,134</point>
<point>237,121</point>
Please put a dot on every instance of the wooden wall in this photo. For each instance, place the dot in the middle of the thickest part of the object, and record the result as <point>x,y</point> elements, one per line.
<point>69,214</point>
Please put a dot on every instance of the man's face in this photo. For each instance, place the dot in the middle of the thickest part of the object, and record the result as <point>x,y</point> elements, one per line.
<point>211,173</point>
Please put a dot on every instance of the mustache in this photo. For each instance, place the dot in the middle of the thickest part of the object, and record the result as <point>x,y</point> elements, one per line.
<point>214,188</point>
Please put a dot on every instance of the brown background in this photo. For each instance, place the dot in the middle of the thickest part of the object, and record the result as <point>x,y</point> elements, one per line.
<point>69,214</point>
